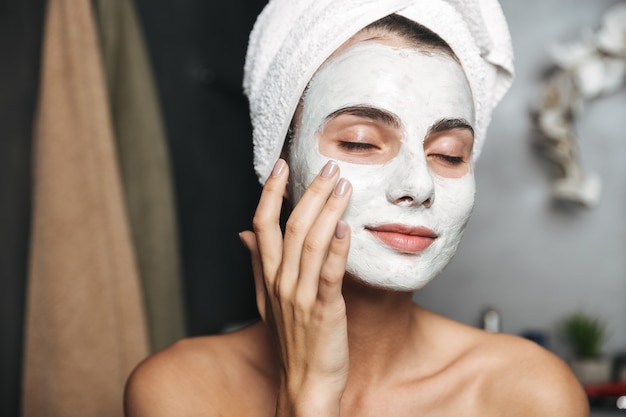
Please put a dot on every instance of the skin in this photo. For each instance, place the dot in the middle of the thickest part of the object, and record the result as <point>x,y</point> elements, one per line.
<point>390,132</point>
<point>330,345</point>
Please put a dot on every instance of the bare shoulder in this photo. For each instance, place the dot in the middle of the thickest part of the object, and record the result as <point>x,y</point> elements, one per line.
<point>507,375</point>
<point>529,380</point>
<point>171,381</point>
<point>197,375</point>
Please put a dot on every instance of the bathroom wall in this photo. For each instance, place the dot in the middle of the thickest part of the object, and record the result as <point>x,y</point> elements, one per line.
<point>533,260</point>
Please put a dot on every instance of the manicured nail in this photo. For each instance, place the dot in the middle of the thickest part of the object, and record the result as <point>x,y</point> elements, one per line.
<point>329,169</point>
<point>279,167</point>
<point>241,239</point>
<point>342,187</point>
<point>340,229</point>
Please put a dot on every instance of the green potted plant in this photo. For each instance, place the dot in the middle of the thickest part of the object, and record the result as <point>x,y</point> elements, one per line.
<point>586,334</point>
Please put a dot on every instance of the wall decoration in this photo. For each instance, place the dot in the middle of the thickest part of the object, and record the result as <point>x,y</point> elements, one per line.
<point>584,71</point>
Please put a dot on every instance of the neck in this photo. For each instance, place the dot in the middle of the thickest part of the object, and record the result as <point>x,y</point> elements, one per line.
<point>382,330</point>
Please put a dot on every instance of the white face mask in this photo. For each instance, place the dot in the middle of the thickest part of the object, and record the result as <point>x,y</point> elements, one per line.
<point>402,193</point>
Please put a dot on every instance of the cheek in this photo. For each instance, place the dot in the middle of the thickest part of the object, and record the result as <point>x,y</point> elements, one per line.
<point>305,162</point>
<point>368,181</point>
<point>455,197</point>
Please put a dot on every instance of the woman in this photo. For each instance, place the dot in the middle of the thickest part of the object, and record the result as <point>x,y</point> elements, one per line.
<point>378,166</point>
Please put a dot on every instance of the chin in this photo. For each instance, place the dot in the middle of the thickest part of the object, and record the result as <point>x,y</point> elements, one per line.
<point>393,285</point>
<point>378,267</point>
<point>400,279</point>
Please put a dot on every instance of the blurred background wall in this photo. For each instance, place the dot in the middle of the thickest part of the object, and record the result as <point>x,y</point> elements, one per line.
<point>198,50</point>
<point>532,259</point>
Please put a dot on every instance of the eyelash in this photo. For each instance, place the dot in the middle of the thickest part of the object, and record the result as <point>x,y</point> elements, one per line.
<point>357,146</point>
<point>364,146</point>
<point>454,160</point>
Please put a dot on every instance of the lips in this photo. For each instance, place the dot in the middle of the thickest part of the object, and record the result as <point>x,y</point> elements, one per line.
<point>403,238</point>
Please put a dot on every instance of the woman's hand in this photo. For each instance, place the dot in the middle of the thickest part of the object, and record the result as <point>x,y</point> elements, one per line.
<point>298,279</point>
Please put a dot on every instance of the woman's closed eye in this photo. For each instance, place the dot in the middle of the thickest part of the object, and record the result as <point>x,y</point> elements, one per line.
<point>449,159</point>
<point>357,146</point>
<point>358,139</point>
<point>449,152</point>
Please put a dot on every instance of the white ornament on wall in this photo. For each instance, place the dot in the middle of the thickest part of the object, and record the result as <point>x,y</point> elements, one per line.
<point>585,70</point>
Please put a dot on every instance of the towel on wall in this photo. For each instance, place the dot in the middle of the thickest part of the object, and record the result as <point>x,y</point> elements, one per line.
<point>145,168</point>
<point>85,325</point>
<point>283,56</point>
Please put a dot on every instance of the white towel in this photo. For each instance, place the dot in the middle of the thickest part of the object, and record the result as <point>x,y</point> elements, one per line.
<point>292,38</point>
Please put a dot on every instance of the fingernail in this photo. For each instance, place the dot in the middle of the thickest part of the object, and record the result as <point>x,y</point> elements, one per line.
<point>340,229</point>
<point>342,187</point>
<point>329,169</point>
<point>279,167</point>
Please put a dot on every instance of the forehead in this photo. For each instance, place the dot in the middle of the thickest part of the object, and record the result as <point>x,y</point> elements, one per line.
<point>404,80</point>
<point>372,36</point>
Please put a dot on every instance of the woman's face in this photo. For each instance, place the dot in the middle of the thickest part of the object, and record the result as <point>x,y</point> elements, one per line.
<point>398,123</point>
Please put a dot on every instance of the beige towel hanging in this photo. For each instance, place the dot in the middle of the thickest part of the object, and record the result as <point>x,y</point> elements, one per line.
<point>145,168</point>
<point>85,326</point>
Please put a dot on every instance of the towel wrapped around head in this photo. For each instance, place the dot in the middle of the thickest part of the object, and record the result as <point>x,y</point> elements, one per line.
<point>291,39</point>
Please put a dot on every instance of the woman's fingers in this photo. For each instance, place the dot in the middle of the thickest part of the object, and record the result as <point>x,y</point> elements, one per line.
<point>305,214</point>
<point>266,221</point>
<point>322,246</point>
<point>333,270</point>
<point>298,277</point>
<point>312,255</point>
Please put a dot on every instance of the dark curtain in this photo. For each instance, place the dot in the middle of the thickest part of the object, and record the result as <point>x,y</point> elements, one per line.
<point>197,50</point>
<point>21,26</point>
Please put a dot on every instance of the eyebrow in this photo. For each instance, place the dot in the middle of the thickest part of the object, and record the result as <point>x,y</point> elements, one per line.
<point>445,125</point>
<point>392,120</point>
<point>368,112</point>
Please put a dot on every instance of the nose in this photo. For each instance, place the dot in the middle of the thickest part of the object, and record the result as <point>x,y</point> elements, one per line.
<point>413,184</point>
